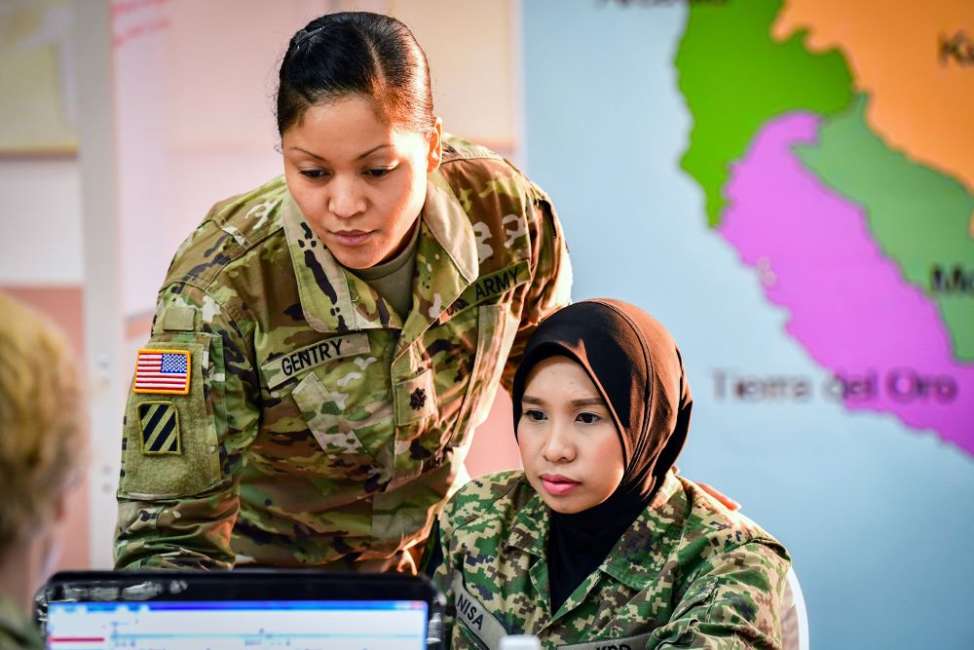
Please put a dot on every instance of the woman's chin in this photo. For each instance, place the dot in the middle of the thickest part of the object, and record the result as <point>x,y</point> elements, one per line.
<point>562,505</point>
<point>355,258</point>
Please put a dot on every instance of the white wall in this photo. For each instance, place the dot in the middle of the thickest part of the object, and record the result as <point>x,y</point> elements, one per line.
<point>40,221</point>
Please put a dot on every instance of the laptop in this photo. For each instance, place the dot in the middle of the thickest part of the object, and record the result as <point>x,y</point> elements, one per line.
<point>298,610</point>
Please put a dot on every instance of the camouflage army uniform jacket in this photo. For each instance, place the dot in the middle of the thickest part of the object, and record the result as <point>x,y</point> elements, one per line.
<point>320,427</point>
<point>17,632</point>
<point>688,573</point>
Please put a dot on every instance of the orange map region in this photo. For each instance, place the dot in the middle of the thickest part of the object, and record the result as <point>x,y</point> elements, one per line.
<point>916,60</point>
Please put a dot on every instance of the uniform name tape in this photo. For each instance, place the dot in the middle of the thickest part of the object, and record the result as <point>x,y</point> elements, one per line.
<point>283,368</point>
<point>475,617</point>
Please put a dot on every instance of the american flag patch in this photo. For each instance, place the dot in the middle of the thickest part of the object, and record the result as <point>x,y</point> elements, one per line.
<point>162,372</point>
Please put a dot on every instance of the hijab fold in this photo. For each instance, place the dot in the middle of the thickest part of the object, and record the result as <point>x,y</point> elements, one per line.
<point>636,367</point>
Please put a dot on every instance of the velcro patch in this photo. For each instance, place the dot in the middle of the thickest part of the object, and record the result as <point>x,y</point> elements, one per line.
<point>179,319</point>
<point>285,367</point>
<point>162,372</point>
<point>159,422</point>
<point>491,285</point>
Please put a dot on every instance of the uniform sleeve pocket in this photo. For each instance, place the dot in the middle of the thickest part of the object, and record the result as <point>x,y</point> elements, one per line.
<point>171,447</point>
<point>496,328</point>
<point>700,593</point>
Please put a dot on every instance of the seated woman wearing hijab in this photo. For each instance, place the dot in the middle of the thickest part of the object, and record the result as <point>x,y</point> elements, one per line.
<point>599,543</point>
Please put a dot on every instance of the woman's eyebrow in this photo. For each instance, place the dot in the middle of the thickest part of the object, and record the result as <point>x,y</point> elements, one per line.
<point>323,159</point>
<point>373,150</point>
<point>532,400</point>
<point>589,401</point>
<point>306,152</point>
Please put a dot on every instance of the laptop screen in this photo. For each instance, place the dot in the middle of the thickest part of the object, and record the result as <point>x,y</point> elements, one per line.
<point>366,621</point>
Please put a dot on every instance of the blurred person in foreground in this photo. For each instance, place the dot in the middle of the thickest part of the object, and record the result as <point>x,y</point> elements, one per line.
<point>42,448</point>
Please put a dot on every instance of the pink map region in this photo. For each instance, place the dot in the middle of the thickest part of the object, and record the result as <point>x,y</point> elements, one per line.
<point>849,307</point>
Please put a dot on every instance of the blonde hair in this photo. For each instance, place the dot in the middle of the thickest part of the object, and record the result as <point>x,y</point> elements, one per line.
<point>42,446</point>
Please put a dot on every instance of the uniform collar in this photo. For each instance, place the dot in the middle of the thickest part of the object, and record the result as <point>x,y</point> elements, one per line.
<point>638,557</point>
<point>450,227</point>
<point>335,300</point>
<point>529,532</point>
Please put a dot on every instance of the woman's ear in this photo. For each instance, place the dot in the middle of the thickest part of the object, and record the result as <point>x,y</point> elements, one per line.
<point>435,152</point>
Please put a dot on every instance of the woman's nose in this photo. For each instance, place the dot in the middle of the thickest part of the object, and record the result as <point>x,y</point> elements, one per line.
<point>558,447</point>
<point>345,199</point>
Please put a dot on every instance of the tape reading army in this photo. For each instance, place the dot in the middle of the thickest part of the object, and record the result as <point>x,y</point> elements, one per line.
<point>491,286</point>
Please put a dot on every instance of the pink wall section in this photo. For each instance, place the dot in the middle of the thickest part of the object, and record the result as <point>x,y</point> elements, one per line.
<point>493,448</point>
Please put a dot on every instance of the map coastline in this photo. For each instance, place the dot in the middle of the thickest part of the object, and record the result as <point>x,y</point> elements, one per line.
<point>849,306</point>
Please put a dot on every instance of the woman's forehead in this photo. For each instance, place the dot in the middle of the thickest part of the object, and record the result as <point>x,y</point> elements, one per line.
<point>559,378</point>
<point>346,128</point>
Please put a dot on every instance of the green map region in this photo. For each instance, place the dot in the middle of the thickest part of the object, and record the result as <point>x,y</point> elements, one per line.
<point>735,77</point>
<point>920,217</point>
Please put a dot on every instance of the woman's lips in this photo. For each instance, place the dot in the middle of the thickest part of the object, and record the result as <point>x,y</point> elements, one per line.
<point>352,237</point>
<point>558,485</point>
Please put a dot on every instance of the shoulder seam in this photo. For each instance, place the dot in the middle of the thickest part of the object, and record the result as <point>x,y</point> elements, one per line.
<point>484,155</point>
<point>232,311</point>
<point>240,254</point>
<point>206,287</point>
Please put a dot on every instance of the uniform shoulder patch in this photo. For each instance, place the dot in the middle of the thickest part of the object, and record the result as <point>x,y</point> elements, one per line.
<point>162,372</point>
<point>159,422</point>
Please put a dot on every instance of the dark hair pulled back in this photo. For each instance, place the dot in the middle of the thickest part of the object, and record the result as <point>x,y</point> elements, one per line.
<point>356,53</point>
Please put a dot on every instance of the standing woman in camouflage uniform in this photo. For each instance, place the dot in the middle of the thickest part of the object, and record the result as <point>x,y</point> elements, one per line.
<point>324,345</point>
<point>598,543</point>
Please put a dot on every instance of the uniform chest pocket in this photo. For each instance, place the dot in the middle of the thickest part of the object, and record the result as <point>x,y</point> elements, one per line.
<point>351,423</point>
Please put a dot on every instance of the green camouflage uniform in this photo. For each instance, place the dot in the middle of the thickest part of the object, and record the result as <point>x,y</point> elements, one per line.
<point>17,632</point>
<point>688,573</point>
<point>321,428</point>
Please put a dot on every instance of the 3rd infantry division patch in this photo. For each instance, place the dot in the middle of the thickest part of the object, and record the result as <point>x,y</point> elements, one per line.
<point>160,428</point>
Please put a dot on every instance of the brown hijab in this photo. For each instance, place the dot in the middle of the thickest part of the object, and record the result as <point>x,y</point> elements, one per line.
<point>637,368</point>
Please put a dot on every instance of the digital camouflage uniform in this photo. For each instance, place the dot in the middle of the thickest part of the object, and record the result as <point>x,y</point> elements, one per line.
<point>688,573</point>
<point>320,429</point>
<point>17,632</point>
